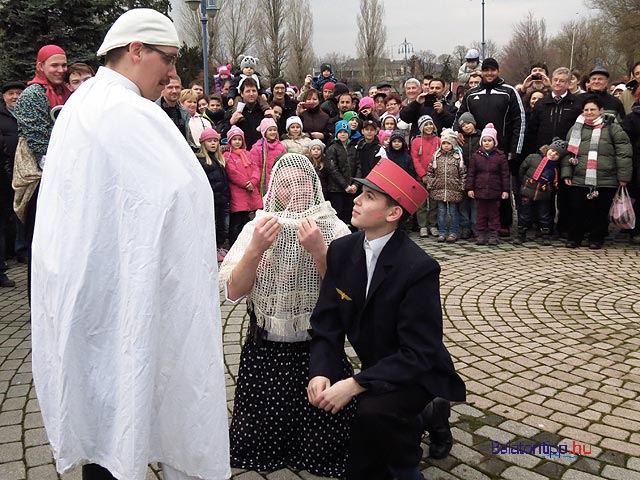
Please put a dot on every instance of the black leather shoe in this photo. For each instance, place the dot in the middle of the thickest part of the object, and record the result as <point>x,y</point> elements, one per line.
<point>572,244</point>
<point>6,281</point>
<point>595,245</point>
<point>435,420</point>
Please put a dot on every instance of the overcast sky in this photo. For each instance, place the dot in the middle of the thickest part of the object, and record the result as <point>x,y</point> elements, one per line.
<point>427,24</point>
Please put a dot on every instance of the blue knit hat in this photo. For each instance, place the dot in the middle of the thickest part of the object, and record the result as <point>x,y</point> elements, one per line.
<point>342,125</point>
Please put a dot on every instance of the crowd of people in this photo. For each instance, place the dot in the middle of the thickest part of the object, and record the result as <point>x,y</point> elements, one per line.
<point>304,195</point>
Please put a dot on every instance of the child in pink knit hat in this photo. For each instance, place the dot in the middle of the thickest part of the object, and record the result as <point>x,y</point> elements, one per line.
<point>488,182</point>
<point>266,150</point>
<point>244,183</point>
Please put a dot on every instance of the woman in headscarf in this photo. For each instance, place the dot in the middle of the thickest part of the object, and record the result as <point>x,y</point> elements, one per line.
<point>599,162</point>
<point>277,263</point>
<point>45,91</point>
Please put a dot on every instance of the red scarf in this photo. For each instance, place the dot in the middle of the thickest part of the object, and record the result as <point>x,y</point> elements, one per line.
<point>57,94</point>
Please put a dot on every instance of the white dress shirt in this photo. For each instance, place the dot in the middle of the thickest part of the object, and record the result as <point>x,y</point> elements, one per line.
<point>372,249</point>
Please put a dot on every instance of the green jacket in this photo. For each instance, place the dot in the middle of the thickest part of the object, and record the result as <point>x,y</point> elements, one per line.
<point>614,156</point>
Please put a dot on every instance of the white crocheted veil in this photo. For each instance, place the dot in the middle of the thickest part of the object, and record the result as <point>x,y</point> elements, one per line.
<point>287,281</point>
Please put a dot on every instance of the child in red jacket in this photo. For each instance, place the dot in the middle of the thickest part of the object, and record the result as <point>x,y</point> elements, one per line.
<point>422,150</point>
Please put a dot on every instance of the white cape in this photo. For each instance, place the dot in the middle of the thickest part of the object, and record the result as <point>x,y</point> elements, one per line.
<point>126,329</point>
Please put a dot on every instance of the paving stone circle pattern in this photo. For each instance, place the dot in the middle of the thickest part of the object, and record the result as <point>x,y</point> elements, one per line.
<point>547,340</point>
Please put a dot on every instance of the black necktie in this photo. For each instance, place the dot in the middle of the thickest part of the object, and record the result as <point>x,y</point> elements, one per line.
<point>557,98</point>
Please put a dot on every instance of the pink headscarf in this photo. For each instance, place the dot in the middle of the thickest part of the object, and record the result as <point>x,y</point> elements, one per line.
<point>57,94</point>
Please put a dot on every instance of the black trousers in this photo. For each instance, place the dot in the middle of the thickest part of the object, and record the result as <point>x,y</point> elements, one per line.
<point>237,221</point>
<point>589,217</point>
<point>93,471</point>
<point>386,432</point>
<point>342,203</point>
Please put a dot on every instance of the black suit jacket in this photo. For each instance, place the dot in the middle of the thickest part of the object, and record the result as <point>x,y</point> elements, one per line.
<point>396,330</point>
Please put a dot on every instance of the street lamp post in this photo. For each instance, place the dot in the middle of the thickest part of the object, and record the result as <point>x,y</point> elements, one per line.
<point>484,45</point>
<point>208,8</point>
<point>406,48</point>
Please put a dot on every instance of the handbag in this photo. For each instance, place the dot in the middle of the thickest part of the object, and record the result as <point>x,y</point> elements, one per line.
<point>621,212</point>
<point>26,177</point>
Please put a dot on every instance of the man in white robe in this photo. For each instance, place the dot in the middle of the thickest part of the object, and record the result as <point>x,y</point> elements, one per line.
<point>126,329</point>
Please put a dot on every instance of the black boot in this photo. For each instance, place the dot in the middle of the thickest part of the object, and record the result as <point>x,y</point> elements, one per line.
<point>522,236</point>
<point>546,236</point>
<point>435,419</point>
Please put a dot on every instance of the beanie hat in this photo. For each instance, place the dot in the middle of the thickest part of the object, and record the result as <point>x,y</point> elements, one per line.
<point>265,124</point>
<point>235,132</point>
<point>293,119</point>
<point>423,120</point>
<point>472,54</point>
<point>349,115</point>
<point>208,134</point>
<point>248,61</point>
<point>224,70</point>
<point>316,142</point>
<point>398,135</point>
<point>383,135</point>
<point>490,63</point>
<point>339,89</point>
<point>385,115</point>
<point>329,86</point>
<point>621,86</point>
<point>366,102</point>
<point>490,131</point>
<point>342,125</point>
<point>325,66</point>
<point>560,146</point>
<point>449,136</point>
<point>467,117</point>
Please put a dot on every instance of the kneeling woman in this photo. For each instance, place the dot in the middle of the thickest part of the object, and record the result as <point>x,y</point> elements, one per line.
<point>277,262</point>
<point>599,161</point>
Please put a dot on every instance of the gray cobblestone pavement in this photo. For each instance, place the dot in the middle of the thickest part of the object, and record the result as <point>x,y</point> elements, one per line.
<point>546,339</point>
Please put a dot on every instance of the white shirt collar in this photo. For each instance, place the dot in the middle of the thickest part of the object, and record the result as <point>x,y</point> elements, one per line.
<point>372,249</point>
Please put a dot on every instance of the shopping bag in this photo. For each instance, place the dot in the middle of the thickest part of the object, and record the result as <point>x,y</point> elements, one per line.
<point>621,212</point>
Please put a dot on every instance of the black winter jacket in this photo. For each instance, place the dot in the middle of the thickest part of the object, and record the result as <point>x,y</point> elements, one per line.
<point>412,113</point>
<point>217,176</point>
<point>631,125</point>
<point>341,165</point>
<point>500,104</point>
<point>366,155</point>
<point>549,120</point>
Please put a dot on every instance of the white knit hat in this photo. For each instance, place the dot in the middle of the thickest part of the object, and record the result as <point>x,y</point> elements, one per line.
<point>140,25</point>
<point>293,119</point>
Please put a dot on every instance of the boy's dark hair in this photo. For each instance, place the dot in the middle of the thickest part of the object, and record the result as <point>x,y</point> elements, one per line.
<point>248,82</point>
<point>428,77</point>
<point>78,67</point>
<point>541,65</point>
<point>216,96</point>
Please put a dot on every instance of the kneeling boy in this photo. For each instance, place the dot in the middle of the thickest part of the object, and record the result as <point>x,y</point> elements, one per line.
<point>382,292</point>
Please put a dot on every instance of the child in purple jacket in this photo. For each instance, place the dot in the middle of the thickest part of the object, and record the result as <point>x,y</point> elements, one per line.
<point>488,182</point>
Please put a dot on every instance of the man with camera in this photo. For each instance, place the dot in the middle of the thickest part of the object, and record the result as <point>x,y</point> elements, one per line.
<point>430,103</point>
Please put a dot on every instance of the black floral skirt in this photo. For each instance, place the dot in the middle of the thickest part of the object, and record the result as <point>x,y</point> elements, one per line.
<point>273,425</point>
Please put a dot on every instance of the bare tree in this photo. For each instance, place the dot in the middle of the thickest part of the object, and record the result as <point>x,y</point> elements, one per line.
<point>299,35</point>
<point>592,39</point>
<point>427,61</point>
<point>528,44</point>
<point>372,36</point>
<point>272,45</point>
<point>491,48</point>
<point>238,20</point>
<point>459,54</point>
<point>623,16</point>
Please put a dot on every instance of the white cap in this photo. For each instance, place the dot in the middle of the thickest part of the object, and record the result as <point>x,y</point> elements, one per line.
<point>142,25</point>
<point>471,54</point>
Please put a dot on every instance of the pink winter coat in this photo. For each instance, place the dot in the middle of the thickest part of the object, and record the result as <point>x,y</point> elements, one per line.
<point>421,160</point>
<point>241,199</point>
<point>274,150</point>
